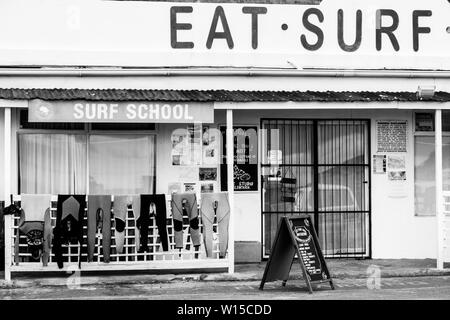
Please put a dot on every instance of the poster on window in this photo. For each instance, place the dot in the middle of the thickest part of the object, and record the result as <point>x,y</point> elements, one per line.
<point>391,135</point>
<point>187,146</point>
<point>207,174</point>
<point>245,166</point>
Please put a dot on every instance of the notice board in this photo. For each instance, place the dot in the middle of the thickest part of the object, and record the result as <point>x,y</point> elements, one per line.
<point>296,239</point>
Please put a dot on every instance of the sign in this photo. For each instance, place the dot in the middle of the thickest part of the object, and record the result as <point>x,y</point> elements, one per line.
<point>379,164</point>
<point>93,111</point>
<point>245,159</point>
<point>391,135</point>
<point>345,34</point>
<point>296,237</point>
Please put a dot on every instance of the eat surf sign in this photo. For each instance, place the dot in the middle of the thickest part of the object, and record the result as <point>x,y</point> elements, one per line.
<point>344,34</point>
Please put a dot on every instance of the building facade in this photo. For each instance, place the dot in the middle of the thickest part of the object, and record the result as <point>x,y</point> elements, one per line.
<point>337,110</point>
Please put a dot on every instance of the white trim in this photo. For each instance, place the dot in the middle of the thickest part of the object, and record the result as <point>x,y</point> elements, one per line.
<point>230,187</point>
<point>197,264</point>
<point>439,192</point>
<point>291,105</point>
<point>230,71</point>
<point>4,103</point>
<point>7,190</point>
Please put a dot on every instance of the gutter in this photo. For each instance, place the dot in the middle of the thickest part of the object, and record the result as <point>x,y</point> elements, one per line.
<point>98,72</point>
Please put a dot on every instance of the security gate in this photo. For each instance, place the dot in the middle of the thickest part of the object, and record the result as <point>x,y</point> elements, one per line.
<point>320,168</point>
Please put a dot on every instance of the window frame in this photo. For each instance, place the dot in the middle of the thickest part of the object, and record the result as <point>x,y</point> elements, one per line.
<point>422,134</point>
<point>87,132</point>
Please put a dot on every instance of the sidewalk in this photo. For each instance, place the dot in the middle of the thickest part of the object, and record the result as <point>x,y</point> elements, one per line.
<point>340,269</point>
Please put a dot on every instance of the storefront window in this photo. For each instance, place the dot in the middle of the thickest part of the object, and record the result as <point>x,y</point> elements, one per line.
<point>424,169</point>
<point>52,163</point>
<point>121,164</point>
<point>57,163</point>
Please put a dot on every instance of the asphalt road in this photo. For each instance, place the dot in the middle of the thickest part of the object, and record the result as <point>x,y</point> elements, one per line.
<point>437,287</point>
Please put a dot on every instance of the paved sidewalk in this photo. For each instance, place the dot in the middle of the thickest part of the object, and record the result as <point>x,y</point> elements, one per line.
<point>339,269</point>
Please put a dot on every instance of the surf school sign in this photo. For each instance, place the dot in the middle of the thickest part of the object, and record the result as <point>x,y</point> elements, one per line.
<point>370,34</point>
<point>93,111</point>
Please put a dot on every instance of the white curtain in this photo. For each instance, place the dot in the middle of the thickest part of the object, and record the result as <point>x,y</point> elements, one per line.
<point>121,164</point>
<point>52,163</point>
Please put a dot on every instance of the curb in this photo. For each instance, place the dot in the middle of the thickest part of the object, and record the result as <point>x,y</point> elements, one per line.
<point>223,277</point>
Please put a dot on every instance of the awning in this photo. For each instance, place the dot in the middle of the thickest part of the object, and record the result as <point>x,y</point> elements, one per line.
<point>216,95</point>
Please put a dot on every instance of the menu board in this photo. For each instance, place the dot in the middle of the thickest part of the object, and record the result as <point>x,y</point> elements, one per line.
<point>309,249</point>
<point>296,238</point>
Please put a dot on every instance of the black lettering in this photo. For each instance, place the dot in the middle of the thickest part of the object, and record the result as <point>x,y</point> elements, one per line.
<point>174,27</point>
<point>356,44</point>
<point>387,30</point>
<point>417,29</point>
<point>213,34</point>
<point>313,28</point>
<point>254,11</point>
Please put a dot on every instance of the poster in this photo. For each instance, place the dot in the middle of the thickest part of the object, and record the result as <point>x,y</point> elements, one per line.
<point>207,188</point>
<point>187,146</point>
<point>187,173</point>
<point>397,175</point>
<point>206,174</point>
<point>190,187</point>
<point>379,164</point>
<point>245,166</point>
<point>174,187</point>
<point>396,162</point>
<point>391,135</point>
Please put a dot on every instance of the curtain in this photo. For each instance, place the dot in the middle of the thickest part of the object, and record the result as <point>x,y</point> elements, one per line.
<point>424,173</point>
<point>52,163</point>
<point>121,164</point>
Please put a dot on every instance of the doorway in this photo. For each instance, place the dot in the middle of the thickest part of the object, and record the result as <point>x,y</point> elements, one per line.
<point>320,168</point>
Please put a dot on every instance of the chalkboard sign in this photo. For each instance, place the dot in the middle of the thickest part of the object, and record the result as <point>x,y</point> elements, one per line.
<point>296,237</point>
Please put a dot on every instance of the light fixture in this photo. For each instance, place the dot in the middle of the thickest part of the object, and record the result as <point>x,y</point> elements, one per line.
<point>425,92</point>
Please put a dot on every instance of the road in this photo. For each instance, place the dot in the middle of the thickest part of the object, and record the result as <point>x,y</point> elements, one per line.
<point>437,287</point>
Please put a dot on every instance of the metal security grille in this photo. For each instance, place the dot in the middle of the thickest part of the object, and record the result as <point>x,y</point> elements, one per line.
<point>320,168</point>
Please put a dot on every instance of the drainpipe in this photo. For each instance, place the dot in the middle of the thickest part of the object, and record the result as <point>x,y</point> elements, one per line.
<point>98,72</point>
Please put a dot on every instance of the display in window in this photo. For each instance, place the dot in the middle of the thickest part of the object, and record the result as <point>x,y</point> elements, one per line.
<point>207,188</point>
<point>208,174</point>
<point>424,122</point>
<point>99,225</point>
<point>69,224</point>
<point>190,187</point>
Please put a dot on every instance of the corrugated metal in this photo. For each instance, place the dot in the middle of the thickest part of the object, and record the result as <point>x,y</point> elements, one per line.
<point>214,95</point>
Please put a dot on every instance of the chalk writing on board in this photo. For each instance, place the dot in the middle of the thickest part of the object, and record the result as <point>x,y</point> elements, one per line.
<point>391,135</point>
